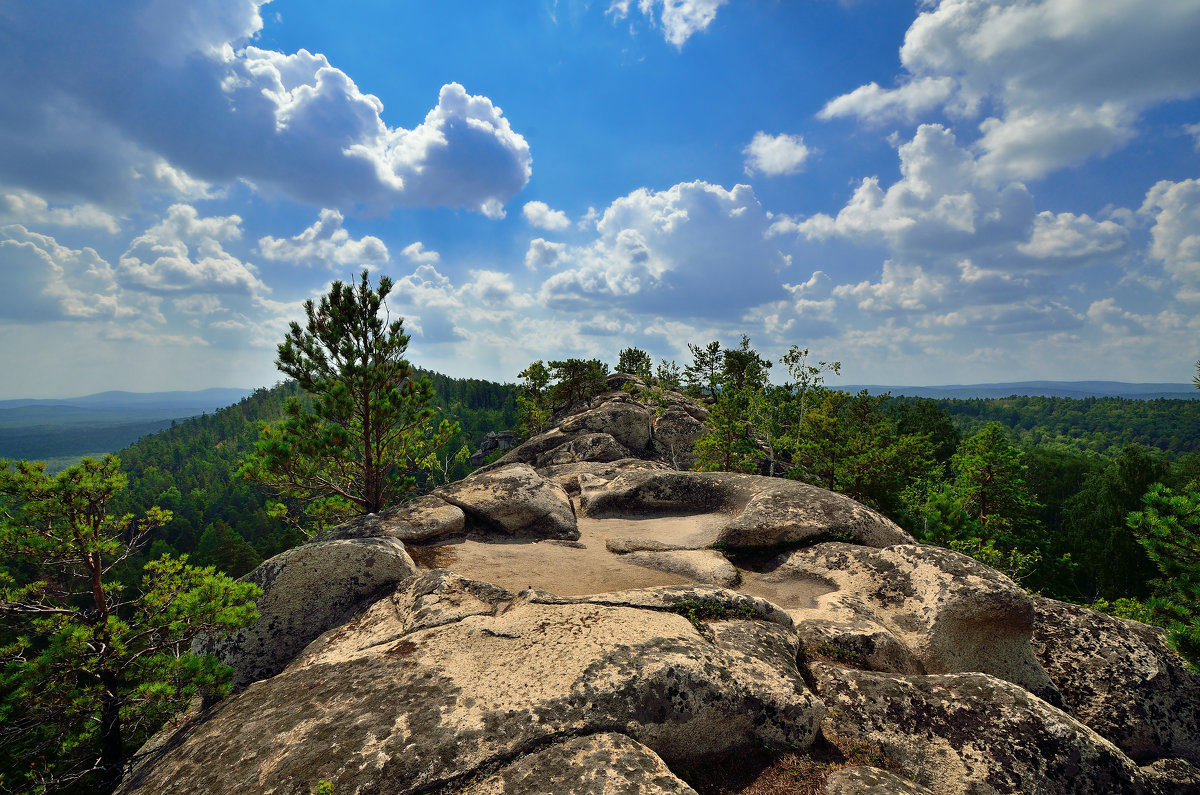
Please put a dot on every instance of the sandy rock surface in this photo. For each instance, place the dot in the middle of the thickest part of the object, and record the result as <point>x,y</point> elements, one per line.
<point>599,764</point>
<point>441,680</point>
<point>869,781</point>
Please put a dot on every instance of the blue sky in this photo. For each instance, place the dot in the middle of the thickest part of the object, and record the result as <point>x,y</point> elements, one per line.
<point>933,192</point>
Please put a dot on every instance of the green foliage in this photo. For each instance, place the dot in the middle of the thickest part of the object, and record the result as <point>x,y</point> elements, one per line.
<point>324,787</point>
<point>371,421</point>
<point>635,361</point>
<point>805,380</point>
<point>92,667</point>
<point>1100,425</point>
<point>702,376</point>
<point>576,380</point>
<point>852,445</point>
<point>533,400</point>
<point>1127,608</point>
<point>668,375</point>
<point>1168,526</point>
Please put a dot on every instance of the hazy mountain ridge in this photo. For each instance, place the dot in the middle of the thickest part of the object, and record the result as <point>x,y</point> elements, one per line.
<point>1068,389</point>
<point>49,428</point>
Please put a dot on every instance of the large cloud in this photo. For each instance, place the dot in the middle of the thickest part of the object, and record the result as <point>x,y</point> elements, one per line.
<point>1063,79</point>
<point>82,115</point>
<point>183,253</point>
<point>1175,236</point>
<point>693,250</point>
<point>965,249</point>
<point>43,280</point>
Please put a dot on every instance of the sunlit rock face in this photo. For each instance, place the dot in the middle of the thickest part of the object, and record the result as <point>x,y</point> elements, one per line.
<point>586,616</point>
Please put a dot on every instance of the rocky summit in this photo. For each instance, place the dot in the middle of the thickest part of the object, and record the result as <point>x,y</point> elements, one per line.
<point>586,616</point>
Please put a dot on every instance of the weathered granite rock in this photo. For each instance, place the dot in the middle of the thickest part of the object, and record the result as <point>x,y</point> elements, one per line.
<point>600,447</point>
<point>502,440</point>
<point>571,476</point>
<point>422,519</point>
<point>867,780</point>
<point>1120,678</point>
<point>619,417</point>
<point>599,764</point>
<point>306,591</point>
<point>391,704</point>
<point>952,612</point>
<point>764,511</point>
<point>699,565</point>
<point>675,433</point>
<point>677,599</point>
<point>972,734</point>
<point>514,500</point>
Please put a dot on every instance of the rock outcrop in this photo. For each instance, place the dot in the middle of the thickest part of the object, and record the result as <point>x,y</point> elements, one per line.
<point>580,617</point>
<point>306,591</point>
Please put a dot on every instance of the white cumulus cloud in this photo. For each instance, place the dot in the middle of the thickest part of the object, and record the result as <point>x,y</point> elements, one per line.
<point>1064,80</point>
<point>540,215</point>
<point>775,155</point>
<point>1175,235</point>
<point>691,250</point>
<point>183,253</point>
<point>212,109</point>
<point>327,243</point>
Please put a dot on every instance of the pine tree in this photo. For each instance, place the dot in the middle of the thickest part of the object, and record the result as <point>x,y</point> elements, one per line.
<point>371,422</point>
<point>92,667</point>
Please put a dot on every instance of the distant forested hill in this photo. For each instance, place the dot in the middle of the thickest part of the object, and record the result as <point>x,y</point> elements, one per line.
<point>221,520</point>
<point>62,431</point>
<point>1091,424</point>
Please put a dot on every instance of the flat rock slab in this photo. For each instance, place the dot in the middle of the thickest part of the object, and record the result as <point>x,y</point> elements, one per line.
<point>306,591</point>
<point>949,611</point>
<point>763,511</point>
<point>514,500</point>
<point>706,566</point>
<point>1121,678</point>
<point>600,764</point>
<point>970,734</point>
<point>423,519</point>
<point>391,704</point>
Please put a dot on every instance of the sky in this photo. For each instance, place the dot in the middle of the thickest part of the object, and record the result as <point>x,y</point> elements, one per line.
<point>929,191</point>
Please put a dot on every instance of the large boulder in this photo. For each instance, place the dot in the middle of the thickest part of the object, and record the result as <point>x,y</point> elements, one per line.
<point>972,734</point>
<point>426,688</point>
<point>514,500</point>
<point>950,612</point>
<point>1120,678</point>
<point>620,417</point>
<point>763,511</point>
<point>306,591</point>
<point>423,519</point>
